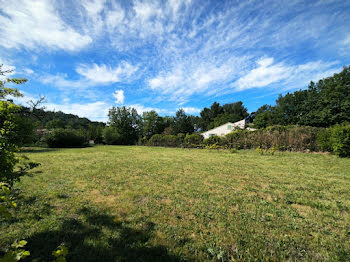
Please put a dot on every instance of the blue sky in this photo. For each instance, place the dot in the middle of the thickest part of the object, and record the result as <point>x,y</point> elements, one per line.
<point>87,56</point>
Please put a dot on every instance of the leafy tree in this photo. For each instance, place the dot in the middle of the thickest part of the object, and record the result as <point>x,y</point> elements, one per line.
<point>55,123</point>
<point>95,132</point>
<point>236,109</point>
<point>218,115</point>
<point>195,122</point>
<point>111,136</point>
<point>152,124</point>
<point>126,122</point>
<point>9,116</point>
<point>232,112</point>
<point>182,123</point>
<point>205,119</point>
<point>66,138</point>
<point>323,104</point>
<point>264,116</point>
<point>215,110</point>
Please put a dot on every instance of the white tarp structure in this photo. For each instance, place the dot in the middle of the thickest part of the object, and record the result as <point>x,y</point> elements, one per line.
<point>224,129</point>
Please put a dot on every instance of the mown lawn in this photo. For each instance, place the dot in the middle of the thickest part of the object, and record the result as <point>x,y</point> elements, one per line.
<point>115,203</point>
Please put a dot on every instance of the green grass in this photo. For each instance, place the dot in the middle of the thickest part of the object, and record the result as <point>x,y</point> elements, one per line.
<point>114,203</point>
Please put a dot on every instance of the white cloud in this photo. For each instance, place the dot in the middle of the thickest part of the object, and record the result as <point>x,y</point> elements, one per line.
<point>114,17</point>
<point>195,77</point>
<point>6,67</point>
<point>104,74</point>
<point>119,96</point>
<point>268,74</point>
<point>61,81</point>
<point>141,108</point>
<point>28,71</point>
<point>264,75</point>
<point>92,75</point>
<point>97,111</point>
<point>182,48</point>
<point>31,24</point>
<point>191,110</point>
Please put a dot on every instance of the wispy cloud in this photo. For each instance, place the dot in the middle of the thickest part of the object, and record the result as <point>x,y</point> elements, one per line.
<point>267,73</point>
<point>31,24</point>
<point>191,110</point>
<point>28,71</point>
<point>92,75</point>
<point>62,81</point>
<point>141,108</point>
<point>104,74</point>
<point>174,52</point>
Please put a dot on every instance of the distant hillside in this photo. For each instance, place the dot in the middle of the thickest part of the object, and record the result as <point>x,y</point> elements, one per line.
<point>51,119</point>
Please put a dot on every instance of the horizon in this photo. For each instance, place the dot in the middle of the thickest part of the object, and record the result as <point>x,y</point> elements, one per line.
<point>88,56</point>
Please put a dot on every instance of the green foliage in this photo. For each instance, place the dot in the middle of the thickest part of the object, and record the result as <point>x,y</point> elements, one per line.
<point>6,202</point>
<point>194,140</point>
<point>60,253</point>
<point>142,141</point>
<point>233,150</point>
<point>292,138</point>
<point>182,123</point>
<point>215,140</point>
<point>264,150</point>
<point>213,146</point>
<point>127,123</point>
<point>111,136</point>
<point>336,139</point>
<point>6,91</point>
<point>55,123</point>
<point>65,138</point>
<point>165,140</point>
<point>218,115</point>
<point>323,104</point>
<point>323,139</point>
<point>340,139</point>
<point>152,124</point>
<point>13,132</point>
<point>8,148</point>
<point>16,253</point>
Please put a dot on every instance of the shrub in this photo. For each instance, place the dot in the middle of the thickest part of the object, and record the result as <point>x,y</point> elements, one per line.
<point>173,141</point>
<point>156,140</point>
<point>194,140</point>
<point>165,140</point>
<point>323,140</point>
<point>293,138</point>
<point>215,140</point>
<point>65,138</point>
<point>111,136</point>
<point>340,139</point>
<point>142,141</point>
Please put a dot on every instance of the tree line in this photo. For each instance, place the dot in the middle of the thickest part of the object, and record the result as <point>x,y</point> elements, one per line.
<point>322,104</point>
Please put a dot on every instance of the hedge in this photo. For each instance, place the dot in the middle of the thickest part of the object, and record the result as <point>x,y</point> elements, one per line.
<point>336,139</point>
<point>66,138</point>
<point>292,138</point>
<point>165,140</point>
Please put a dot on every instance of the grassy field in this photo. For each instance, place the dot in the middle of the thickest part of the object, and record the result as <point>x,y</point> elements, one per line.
<point>114,203</point>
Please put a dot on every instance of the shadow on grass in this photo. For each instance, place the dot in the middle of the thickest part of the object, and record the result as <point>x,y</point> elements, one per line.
<point>38,149</point>
<point>98,237</point>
